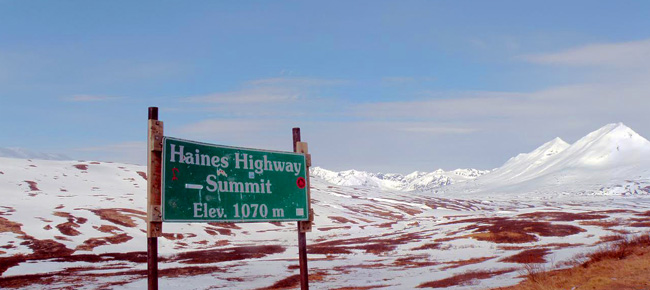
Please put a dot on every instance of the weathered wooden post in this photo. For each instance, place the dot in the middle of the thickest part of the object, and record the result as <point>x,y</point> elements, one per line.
<point>154,179</point>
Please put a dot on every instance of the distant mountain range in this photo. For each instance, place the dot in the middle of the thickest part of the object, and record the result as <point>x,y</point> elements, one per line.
<point>611,160</point>
<point>15,152</point>
<point>416,181</point>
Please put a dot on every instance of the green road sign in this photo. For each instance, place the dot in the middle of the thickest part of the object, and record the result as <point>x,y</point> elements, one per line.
<point>214,183</point>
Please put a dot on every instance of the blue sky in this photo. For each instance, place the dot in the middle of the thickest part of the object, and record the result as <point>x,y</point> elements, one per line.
<point>391,86</point>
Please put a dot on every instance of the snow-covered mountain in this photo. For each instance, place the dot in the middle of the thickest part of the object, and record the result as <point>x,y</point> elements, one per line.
<point>611,160</point>
<point>415,181</point>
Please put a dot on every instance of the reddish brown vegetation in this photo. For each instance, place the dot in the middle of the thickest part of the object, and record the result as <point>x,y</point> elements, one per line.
<point>47,248</point>
<point>463,279</point>
<point>528,256</point>
<point>600,223</point>
<point>325,229</point>
<point>387,225</point>
<point>373,210</point>
<point>9,226</point>
<point>647,213</point>
<point>42,249</point>
<point>506,230</point>
<point>434,246</point>
<point>33,186</point>
<point>408,209</point>
<point>619,265</point>
<point>461,263</point>
<point>293,281</point>
<point>369,245</point>
<point>226,225</point>
<point>142,174</point>
<point>362,288</point>
<point>81,166</point>
<point>618,251</point>
<point>286,283</point>
<point>62,238</point>
<point>607,239</point>
<point>562,216</point>
<point>68,229</point>
<point>640,224</point>
<point>120,216</point>
<point>418,261</point>
<point>341,220</point>
<point>220,231</point>
<point>107,229</point>
<point>230,254</point>
<point>91,243</point>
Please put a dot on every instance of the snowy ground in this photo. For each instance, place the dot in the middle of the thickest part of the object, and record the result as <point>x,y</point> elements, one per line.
<point>80,225</point>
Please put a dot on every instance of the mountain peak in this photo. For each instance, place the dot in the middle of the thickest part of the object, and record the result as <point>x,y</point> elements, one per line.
<point>611,143</point>
<point>538,155</point>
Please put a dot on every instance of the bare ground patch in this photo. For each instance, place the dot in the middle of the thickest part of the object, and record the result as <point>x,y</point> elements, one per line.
<point>559,216</point>
<point>9,226</point>
<point>325,229</point>
<point>142,174</point>
<point>293,281</point>
<point>463,279</point>
<point>120,216</point>
<point>90,244</point>
<point>461,263</point>
<point>107,229</point>
<point>82,167</point>
<point>230,254</point>
<point>415,261</point>
<point>507,230</point>
<point>368,244</point>
<point>68,229</point>
<point>430,246</point>
<point>33,186</point>
<point>363,287</point>
<point>528,256</point>
<point>341,220</point>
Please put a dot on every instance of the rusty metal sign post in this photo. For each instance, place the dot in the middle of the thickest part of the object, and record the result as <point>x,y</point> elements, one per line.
<point>303,226</point>
<point>154,179</point>
<point>272,186</point>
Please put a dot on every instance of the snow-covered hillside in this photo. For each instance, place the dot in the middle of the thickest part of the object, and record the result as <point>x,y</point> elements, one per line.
<point>611,160</point>
<point>415,181</point>
<point>81,224</point>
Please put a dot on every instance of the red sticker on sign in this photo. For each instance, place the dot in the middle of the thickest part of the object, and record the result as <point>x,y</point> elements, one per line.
<point>301,183</point>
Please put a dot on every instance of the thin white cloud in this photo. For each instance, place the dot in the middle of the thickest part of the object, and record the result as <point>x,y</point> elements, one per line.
<point>438,130</point>
<point>619,55</point>
<point>296,82</point>
<point>248,96</point>
<point>91,98</point>
<point>252,133</point>
<point>213,127</point>
<point>270,90</point>
<point>406,80</point>
<point>139,145</point>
